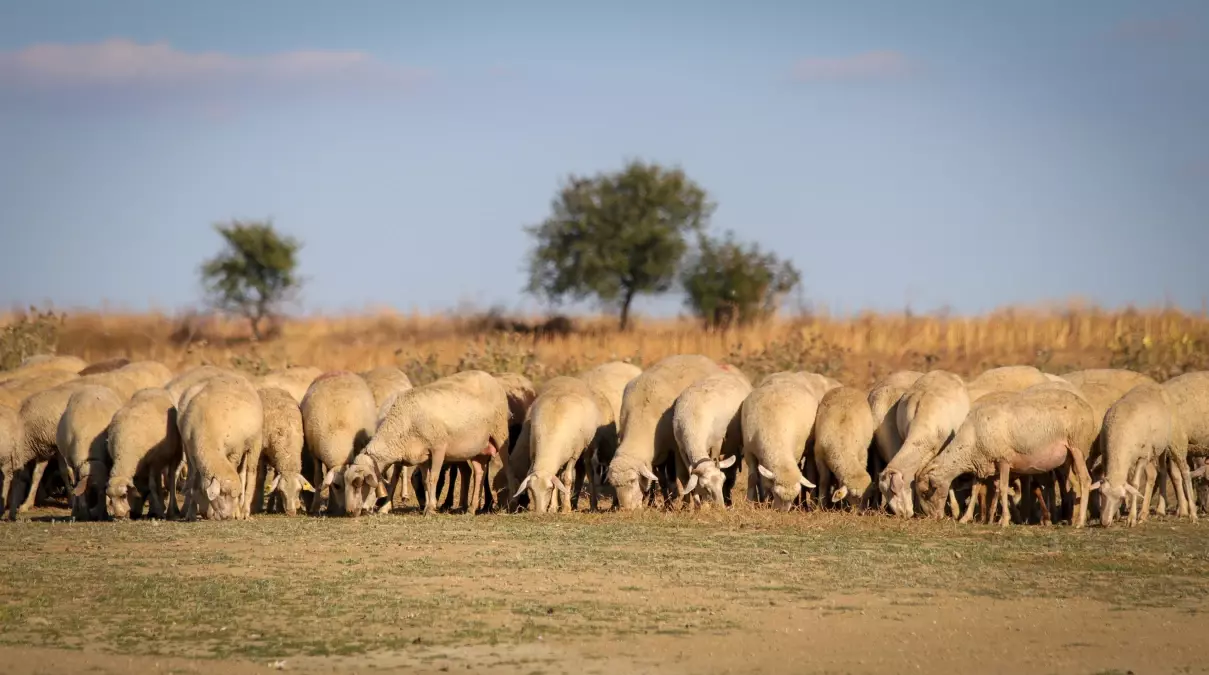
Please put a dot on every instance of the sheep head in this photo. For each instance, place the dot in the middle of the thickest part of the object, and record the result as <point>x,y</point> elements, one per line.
<point>540,487</point>
<point>933,492</point>
<point>361,481</point>
<point>220,498</point>
<point>896,489</point>
<point>121,497</point>
<point>785,488</point>
<point>1111,497</point>
<point>706,480</point>
<point>630,480</point>
<point>290,486</point>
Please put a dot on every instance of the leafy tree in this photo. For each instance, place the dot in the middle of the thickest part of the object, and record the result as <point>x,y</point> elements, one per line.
<point>615,235</point>
<point>728,282</point>
<point>254,274</point>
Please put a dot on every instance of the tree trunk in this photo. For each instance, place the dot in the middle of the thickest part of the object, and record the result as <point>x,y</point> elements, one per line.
<point>625,309</point>
<point>256,327</point>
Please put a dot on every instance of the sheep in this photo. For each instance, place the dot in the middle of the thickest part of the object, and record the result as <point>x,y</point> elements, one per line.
<point>644,426</point>
<point>40,414</point>
<point>1140,429</point>
<point>883,405</point>
<point>1190,396</point>
<point>1006,378</point>
<point>221,430</point>
<point>463,417</point>
<point>338,419</point>
<point>843,430</point>
<point>82,441</point>
<point>282,451</point>
<point>178,385</point>
<point>144,446</point>
<point>294,380</point>
<point>1038,430</point>
<point>926,415</point>
<point>705,423</point>
<point>610,379</point>
<point>565,423</point>
<point>818,384</point>
<point>43,364</point>
<point>384,382</point>
<point>20,389</point>
<point>777,420</point>
<point>10,441</point>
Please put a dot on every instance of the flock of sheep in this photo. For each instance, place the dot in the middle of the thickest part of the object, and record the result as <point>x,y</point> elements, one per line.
<point>1010,444</point>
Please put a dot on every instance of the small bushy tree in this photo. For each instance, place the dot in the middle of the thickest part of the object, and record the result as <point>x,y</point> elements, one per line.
<point>726,282</point>
<point>615,235</point>
<point>254,274</point>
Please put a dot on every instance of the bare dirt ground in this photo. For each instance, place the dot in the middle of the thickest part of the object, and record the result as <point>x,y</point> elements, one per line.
<point>717,592</point>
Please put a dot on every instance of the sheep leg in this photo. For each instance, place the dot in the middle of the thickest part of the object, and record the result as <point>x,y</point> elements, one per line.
<point>1186,474</point>
<point>1005,486</point>
<point>260,474</point>
<point>170,480</point>
<point>6,487</point>
<point>1150,474</point>
<point>478,469</point>
<point>435,461</point>
<point>1183,487</point>
<point>34,481</point>
<point>976,489</point>
<point>753,482</point>
<point>567,477</point>
<point>153,493</point>
<point>1083,478</point>
<point>321,490</point>
<point>593,482</point>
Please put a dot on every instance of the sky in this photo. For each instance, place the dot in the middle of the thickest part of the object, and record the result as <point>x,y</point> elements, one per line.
<point>933,154</point>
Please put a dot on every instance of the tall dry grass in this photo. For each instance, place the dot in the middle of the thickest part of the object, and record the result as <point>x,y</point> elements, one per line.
<point>856,350</point>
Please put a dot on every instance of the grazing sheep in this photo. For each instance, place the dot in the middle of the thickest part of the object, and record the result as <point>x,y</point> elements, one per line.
<point>843,430</point>
<point>463,417</point>
<point>82,441</point>
<point>564,423</point>
<point>1006,378</point>
<point>40,414</point>
<point>10,441</point>
<point>705,422</point>
<point>221,429</point>
<point>610,379</point>
<point>384,382</point>
<point>282,452</point>
<point>818,384</point>
<point>43,364</point>
<point>1190,396</point>
<point>927,415</point>
<point>883,404</point>
<point>178,385</point>
<point>1035,431</point>
<point>777,421</point>
<point>645,424</point>
<point>145,451</point>
<point>1141,429</point>
<point>338,419</point>
<point>294,380</point>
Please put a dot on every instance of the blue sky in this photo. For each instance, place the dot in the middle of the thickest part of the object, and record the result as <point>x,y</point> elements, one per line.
<point>932,153</point>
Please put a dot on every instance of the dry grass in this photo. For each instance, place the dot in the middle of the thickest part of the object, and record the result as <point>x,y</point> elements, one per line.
<point>856,350</point>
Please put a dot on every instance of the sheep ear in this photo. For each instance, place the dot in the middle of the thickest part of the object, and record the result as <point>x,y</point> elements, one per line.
<point>839,494</point>
<point>690,485</point>
<point>213,489</point>
<point>727,463</point>
<point>558,484</point>
<point>306,485</point>
<point>371,480</point>
<point>1201,472</point>
<point>805,483</point>
<point>646,473</point>
<point>764,471</point>
<point>276,482</point>
<point>524,484</point>
<point>81,487</point>
<point>129,483</point>
<point>1132,490</point>
<point>1094,486</point>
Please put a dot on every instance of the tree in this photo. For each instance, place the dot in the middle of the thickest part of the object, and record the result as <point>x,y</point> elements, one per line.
<point>727,282</point>
<point>616,235</point>
<point>254,274</point>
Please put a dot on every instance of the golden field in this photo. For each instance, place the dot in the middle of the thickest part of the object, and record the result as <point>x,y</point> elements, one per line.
<point>856,350</point>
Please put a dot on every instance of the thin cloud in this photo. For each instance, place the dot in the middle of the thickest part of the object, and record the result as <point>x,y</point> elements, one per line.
<point>122,63</point>
<point>866,65</point>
